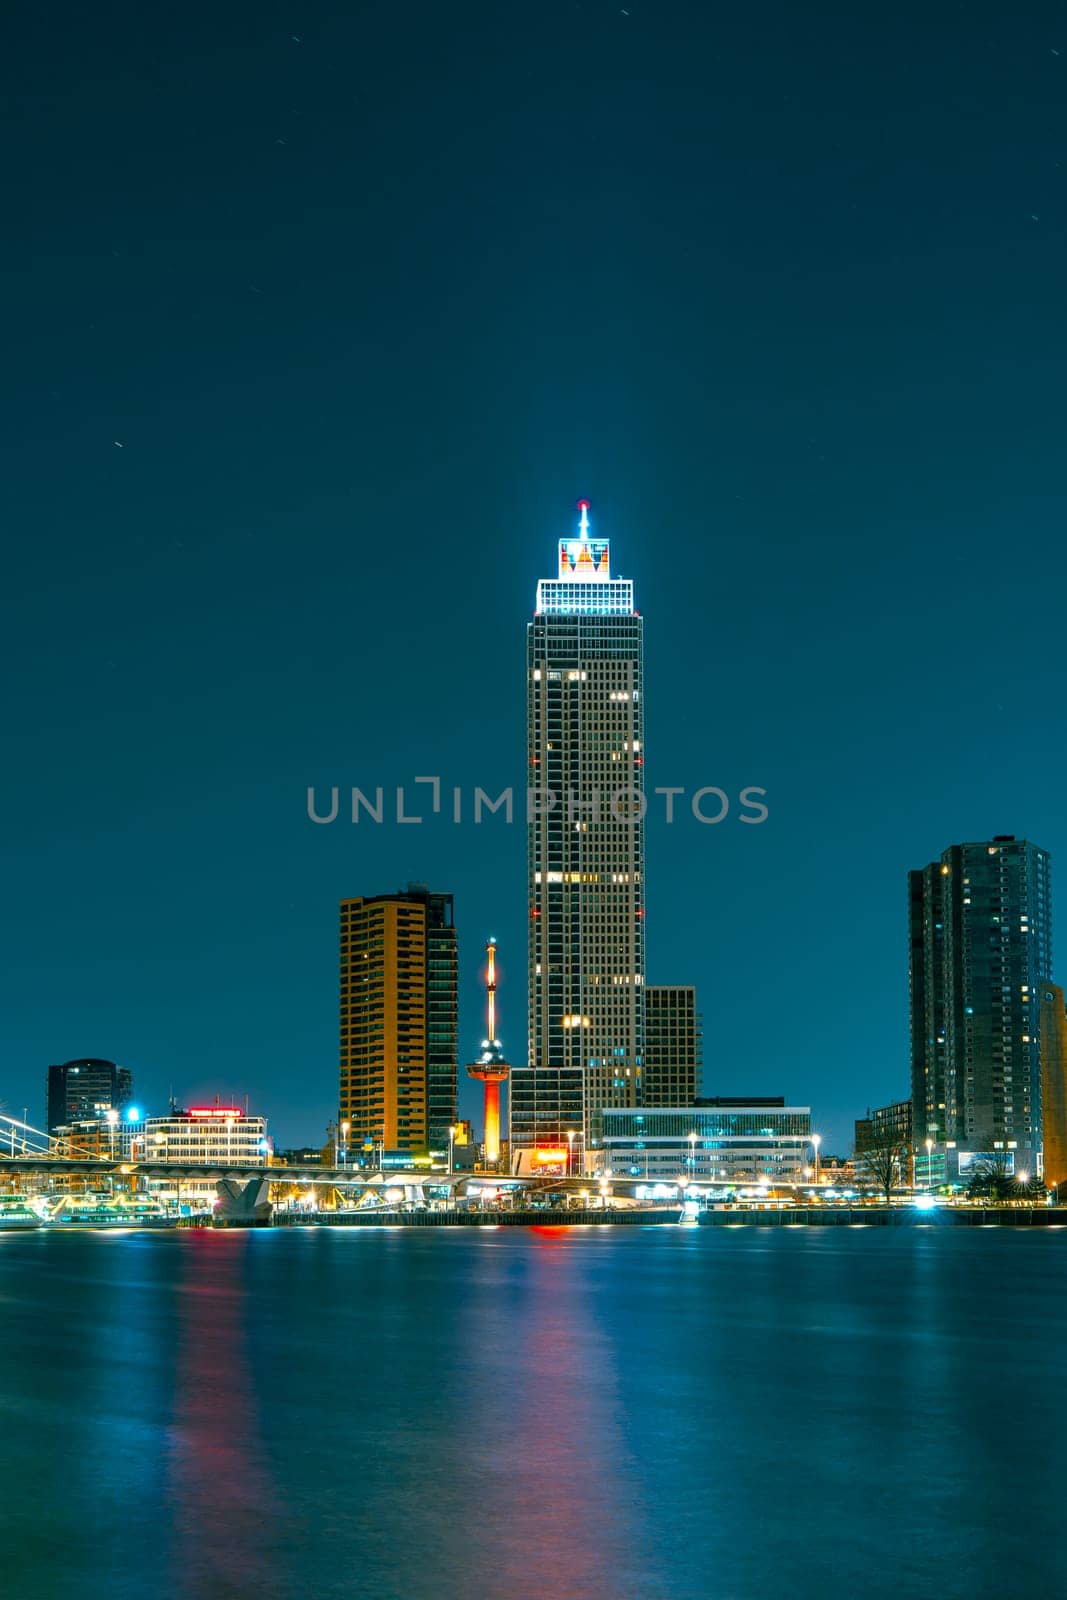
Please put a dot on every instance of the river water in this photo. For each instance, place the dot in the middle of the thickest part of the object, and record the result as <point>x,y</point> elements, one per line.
<point>627,1412</point>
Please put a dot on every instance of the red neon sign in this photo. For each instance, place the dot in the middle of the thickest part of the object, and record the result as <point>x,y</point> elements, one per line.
<point>215,1111</point>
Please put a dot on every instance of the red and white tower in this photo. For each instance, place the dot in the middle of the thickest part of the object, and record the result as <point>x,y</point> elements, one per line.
<point>491,1067</point>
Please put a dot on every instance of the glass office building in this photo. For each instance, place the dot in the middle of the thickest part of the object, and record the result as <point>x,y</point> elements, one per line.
<point>85,1088</point>
<point>732,1142</point>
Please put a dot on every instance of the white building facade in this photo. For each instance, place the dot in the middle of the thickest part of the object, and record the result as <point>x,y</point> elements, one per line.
<point>222,1138</point>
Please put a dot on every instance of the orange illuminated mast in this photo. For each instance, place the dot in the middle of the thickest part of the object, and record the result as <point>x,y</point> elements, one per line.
<point>491,1068</point>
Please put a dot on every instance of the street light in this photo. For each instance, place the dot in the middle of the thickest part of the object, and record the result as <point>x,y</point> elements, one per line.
<point>451,1148</point>
<point>133,1117</point>
<point>692,1156</point>
<point>816,1140</point>
<point>929,1167</point>
<point>344,1141</point>
<point>157,1155</point>
<point>570,1151</point>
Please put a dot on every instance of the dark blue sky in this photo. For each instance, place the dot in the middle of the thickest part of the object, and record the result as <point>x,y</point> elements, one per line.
<point>781,289</point>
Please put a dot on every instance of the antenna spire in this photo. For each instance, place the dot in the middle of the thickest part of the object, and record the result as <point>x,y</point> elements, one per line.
<point>490,990</point>
<point>583,523</point>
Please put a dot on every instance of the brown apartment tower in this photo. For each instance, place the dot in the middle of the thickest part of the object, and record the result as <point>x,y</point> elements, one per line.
<point>398,1020</point>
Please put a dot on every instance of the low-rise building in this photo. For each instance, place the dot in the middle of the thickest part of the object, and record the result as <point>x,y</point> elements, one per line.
<point>91,1139</point>
<point>717,1142</point>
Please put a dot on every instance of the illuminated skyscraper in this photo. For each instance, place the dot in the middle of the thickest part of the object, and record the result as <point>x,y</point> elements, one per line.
<point>981,951</point>
<point>1054,1083</point>
<point>398,1020</point>
<point>85,1088</point>
<point>585,737</point>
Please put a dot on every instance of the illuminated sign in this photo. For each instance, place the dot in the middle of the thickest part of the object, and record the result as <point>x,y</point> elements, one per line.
<point>584,559</point>
<point>583,584</point>
<point>211,1112</point>
<point>549,1158</point>
<point>1001,1161</point>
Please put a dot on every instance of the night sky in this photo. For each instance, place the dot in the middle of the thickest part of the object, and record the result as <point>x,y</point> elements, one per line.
<point>319,319</point>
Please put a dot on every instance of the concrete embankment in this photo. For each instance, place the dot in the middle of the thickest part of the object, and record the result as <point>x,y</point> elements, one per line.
<point>889,1217</point>
<point>473,1219</point>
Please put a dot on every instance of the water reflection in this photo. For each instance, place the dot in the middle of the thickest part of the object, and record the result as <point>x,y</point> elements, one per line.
<point>432,1415</point>
<point>556,1519</point>
<point>222,1500</point>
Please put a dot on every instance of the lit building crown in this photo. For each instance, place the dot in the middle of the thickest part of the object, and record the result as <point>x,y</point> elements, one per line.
<point>584,586</point>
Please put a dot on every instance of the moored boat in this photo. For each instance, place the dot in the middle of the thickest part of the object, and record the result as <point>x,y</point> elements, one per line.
<point>17,1212</point>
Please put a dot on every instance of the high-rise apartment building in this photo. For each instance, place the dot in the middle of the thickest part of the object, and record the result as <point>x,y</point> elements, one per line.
<point>398,1020</point>
<point>1053,1030</point>
<point>84,1089</point>
<point>981,951</point>
<point>672,1045</point>
<point>585,738</point>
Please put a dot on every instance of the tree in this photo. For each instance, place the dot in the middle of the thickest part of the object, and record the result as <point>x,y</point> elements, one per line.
<point>884,1162</point>
<point>991,1178</point>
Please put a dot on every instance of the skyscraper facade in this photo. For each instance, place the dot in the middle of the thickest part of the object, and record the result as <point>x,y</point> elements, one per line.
<point>1054,1083</point>
<point>672,1045</point>
<point>84,1089</point>
<point>585,738</point>
<point>398,1019</point>
<point>981,949</point>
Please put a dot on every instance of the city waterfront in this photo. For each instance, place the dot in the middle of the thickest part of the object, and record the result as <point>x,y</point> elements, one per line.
<point>592,1412</point>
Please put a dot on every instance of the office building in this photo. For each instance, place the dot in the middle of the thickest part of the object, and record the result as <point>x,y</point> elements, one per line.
<point>980,952</point>
<point>720,1142</point>
<point>223,1138</point>
<point>585,737</point>
<point>398,1020</point>
<point>1053,1033</point>
<point>85,1088</point>
<point>672,1045</point>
